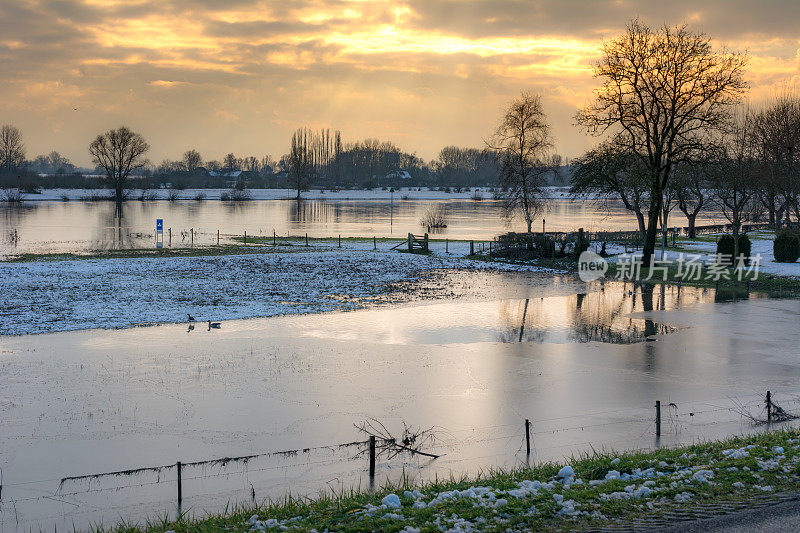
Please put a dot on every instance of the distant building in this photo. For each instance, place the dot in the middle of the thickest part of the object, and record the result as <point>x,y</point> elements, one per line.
<point>399,175</point>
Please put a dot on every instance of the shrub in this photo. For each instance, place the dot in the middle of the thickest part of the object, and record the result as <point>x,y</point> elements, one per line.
<point>147,195</point>
<point>434,217</point>
<point>11,195</point>
<point>30,188</point>
<point>235,195</point>
<point>786,246</point>
<point>725,247</point>
<point>525,246</point>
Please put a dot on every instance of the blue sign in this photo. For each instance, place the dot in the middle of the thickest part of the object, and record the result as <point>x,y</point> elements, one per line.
<point>159,232</point>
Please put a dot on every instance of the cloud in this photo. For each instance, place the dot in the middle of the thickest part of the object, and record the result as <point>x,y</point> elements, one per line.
<point>240,75</point>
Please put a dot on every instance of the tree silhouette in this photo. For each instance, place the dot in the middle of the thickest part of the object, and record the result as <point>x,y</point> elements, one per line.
<point>663,92</point>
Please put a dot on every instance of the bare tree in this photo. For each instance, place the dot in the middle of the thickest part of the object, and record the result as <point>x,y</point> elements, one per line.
<point>608,171</point>
<point>251,164</point>
<point>778,129</point>
<point>690,183</point>
<point>191,161</point>
<point>522,141</point>
<point>663,91</point>
<point>231,162</point>
<point>301,160</point>
<point>119,152</point>
<point>12,151</point>
<point>735,173</point>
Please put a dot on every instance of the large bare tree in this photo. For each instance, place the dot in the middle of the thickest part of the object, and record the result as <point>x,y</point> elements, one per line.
<point>12,151</point>
<point>663,91</point>
<point>119,152</point>
<point>522,141</point>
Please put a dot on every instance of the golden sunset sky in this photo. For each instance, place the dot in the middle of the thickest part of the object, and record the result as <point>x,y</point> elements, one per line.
<point>240,75</point>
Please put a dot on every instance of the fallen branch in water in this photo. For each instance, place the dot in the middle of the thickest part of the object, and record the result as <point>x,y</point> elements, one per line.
<point>412,440</point>
<point>777,413</point>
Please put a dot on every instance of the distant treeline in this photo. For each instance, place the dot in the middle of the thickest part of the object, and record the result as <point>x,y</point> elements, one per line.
<point>361,164</point>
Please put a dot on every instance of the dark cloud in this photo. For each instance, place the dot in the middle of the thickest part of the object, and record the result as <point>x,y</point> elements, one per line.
<point>725,19</point>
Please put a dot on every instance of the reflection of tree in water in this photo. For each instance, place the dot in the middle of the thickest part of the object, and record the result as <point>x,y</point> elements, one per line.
<point>308,211</point>
<point>601,316</point>
<point>114,229</point>
<point>517,326</point>
<point>13,216</point>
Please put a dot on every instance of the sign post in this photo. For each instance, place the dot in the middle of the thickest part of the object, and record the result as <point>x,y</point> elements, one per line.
<point>159,233</point>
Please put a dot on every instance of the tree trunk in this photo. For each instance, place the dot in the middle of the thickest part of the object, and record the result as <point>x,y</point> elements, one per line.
<point>650,236</point>
<point>640,220</point>
<point>692,218</point>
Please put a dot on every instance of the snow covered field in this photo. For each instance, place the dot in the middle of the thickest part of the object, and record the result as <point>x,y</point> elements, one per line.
<point>761,242</point>
<point>62,295</point>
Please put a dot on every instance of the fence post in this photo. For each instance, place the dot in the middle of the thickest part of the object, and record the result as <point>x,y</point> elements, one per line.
<point>490,248</point>
<point>340,240</point>
<point>192,232</point>
<point>245,236</point>
<point>306,239</point>
<point>769,406</point>
<point>528,435</point>
<point>471,247</point>
<point>374,243</point>
<point>170,237</point>
<point>447,246</point>
<point>217,237</point>
<point>658,418</point>
<point>410,242</point>
<point>274,238</point>
<point>372,456</point>
<point>180,488</point>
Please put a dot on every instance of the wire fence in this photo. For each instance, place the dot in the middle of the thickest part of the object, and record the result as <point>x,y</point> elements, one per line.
<point>526,438</point>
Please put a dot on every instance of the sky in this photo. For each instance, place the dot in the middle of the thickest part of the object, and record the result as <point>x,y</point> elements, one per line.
<point>239,76</point>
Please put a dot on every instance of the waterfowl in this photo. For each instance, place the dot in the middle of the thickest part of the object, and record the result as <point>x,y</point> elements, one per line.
<point>214,325</point>
<point>191,318</point>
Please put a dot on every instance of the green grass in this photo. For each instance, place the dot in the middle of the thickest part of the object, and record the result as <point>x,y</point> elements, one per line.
<point>344,511</point>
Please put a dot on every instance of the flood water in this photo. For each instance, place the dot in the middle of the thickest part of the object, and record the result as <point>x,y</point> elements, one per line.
<point>586,369</point>
<point>54,226</point>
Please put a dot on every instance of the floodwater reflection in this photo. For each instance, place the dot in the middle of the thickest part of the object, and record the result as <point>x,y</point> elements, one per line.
<point>54,226</point>
<point>602,316</point>
<point>610,312</point>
